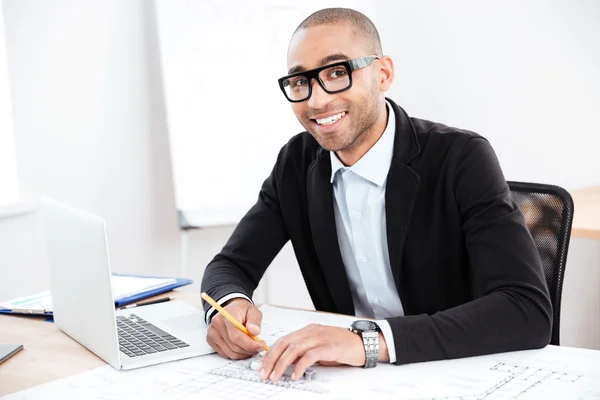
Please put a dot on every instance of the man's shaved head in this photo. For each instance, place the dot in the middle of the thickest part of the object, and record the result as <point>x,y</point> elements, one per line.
<point>359,113</point>
<point>362,26</point>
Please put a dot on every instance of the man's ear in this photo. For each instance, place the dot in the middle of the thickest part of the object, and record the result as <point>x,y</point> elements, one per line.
<point>386,71</point>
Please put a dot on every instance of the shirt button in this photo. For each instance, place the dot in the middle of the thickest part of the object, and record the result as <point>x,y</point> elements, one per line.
<point>348,173</point>
<point>364,259</point>
<point>377,300</point>
<point>358,215</point>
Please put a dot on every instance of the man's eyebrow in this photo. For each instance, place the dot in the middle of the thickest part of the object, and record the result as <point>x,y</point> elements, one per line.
<point>332,58</point>
<point>324,61</point>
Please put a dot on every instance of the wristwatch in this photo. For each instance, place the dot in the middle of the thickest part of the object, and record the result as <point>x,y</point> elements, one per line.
<point>369,331</point>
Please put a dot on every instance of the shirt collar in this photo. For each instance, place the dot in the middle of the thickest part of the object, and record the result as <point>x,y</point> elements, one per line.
<point>375,164</point>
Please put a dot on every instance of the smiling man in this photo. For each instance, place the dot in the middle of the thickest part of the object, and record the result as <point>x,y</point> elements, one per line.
<point>403,221</point>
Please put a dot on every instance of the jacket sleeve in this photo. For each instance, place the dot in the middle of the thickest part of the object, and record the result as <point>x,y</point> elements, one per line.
<point>255,242</point>
<point>511,309</point>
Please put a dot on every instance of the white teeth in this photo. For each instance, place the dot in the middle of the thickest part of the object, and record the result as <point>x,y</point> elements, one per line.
<point>331,119</point>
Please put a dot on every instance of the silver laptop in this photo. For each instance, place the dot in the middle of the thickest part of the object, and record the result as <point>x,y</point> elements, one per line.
<point>83,303</point>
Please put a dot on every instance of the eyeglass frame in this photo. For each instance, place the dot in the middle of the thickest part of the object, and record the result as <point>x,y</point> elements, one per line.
<point>351,66</point>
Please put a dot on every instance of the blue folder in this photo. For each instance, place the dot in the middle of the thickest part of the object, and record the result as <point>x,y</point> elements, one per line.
<point>156,291</point>
<point>130,299</point>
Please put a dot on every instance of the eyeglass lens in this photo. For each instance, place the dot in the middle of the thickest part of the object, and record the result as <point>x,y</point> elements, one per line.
<point>333,79</point>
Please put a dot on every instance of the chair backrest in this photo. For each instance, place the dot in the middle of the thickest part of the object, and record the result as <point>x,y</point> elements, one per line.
<point>548,212</point>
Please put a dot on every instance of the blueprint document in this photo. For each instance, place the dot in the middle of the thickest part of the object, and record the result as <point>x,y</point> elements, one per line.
<point>549,373</point>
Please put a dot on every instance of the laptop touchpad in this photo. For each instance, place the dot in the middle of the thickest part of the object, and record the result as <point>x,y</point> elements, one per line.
<point>186,323</point>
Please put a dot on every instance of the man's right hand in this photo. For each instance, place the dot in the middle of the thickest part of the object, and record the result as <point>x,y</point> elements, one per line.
<point>229,341</point>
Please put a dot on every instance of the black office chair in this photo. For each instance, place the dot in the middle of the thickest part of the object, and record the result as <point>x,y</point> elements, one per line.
<point>548,212</point>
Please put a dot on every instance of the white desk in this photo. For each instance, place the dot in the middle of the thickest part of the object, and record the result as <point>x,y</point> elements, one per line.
<point>552,372</point>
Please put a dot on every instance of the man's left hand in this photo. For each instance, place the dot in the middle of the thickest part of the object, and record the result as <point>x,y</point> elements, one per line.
<point>328,345</point>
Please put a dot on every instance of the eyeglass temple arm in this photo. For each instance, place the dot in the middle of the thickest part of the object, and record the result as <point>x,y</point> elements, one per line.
<point>362,62</point>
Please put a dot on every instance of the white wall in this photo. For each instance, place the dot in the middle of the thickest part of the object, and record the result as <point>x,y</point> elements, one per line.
<point>580,310</point>
<point>523,74</point>
<point>90,128</point>
<point>88,119</point>
<point>22,259</point>
<point>9,189</point>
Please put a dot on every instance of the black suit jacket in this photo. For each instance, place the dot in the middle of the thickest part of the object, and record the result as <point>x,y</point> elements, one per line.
<point>465,266</point>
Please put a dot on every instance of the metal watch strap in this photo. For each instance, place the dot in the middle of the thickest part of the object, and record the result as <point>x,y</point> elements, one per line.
<point>371,343</point>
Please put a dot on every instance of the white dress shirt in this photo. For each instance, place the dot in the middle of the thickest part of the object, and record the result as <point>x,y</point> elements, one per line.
<point>359,207</point>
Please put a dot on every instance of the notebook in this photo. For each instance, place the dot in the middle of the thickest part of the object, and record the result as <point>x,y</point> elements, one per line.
<point>126,289</point>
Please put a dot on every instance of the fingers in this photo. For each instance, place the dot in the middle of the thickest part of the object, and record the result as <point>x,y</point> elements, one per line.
<point>308,347</point>
<point>224,346</point>
<point>240,340</point>
<point>253,320</point>
<point>219,345</point>
<point>244,311</point>
<point>227,340</point>
<point>309,358</point>
<point>287,350</point>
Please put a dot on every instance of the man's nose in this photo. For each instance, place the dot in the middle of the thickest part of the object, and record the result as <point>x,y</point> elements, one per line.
<point>319,98</point>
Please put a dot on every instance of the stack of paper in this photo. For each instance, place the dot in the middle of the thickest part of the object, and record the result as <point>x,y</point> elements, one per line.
<point>122,287</point>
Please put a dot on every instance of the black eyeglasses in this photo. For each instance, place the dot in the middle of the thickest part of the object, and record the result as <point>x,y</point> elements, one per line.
<point>332,78</point>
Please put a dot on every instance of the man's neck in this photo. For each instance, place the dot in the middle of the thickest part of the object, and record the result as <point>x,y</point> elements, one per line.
<point>357,150</point>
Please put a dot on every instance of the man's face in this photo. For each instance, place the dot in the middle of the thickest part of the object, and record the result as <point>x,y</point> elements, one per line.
<point>355,110</point>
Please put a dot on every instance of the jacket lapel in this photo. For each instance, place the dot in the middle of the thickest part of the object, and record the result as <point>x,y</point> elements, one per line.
<point>401,189</point>
<point>322,222</point>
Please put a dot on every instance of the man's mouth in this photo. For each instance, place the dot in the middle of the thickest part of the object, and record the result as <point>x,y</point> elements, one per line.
<point>330,119</point>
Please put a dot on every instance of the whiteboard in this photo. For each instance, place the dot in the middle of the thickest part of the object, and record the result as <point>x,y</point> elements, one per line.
<point>524,75</point>
<point>224,137</point>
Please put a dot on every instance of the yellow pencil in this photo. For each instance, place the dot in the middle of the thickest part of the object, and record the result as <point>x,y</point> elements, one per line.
<point>231,319</point>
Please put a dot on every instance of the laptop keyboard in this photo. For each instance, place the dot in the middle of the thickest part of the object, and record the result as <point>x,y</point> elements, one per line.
<point>138,337</point>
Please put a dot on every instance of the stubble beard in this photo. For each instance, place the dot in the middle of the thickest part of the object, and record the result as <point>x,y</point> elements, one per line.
<point>362,120</point>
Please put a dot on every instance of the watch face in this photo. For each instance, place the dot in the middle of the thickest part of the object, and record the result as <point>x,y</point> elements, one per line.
<point>365,326</point>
